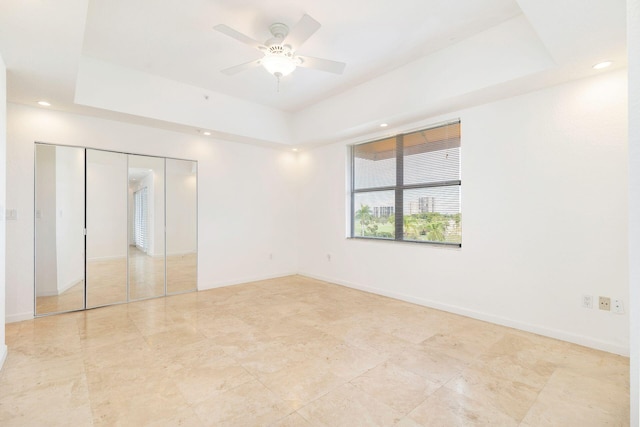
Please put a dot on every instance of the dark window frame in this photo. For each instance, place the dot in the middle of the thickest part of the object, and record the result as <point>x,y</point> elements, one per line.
<point>399,188</point>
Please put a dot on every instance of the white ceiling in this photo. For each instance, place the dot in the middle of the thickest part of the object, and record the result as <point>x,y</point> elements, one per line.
<point>49,46</point>
<point>175,39</point>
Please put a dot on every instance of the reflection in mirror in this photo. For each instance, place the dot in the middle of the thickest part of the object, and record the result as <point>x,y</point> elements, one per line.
<point>146,227</point>
<point>59,229</point>
<point>182,219</point>
<point>106,228</point>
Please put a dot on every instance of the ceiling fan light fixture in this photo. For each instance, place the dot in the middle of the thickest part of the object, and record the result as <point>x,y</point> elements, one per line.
<point>601,65</point>
<point>279,65</point>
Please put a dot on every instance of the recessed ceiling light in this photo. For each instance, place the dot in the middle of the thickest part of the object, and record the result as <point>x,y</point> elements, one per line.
<point>383,125</point>
<point>294,149</point>
<point>44,103</point>
<point>206,133</point>
<point>601,65</point>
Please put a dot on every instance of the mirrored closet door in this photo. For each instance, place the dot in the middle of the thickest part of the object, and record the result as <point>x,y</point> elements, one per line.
<point>59,229</point>
<point>146,227</point>
<point>182,236</point>
<point>111,228</point>
<point>106,228</point>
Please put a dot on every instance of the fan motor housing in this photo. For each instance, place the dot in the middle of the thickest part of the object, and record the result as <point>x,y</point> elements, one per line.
<point>278,49</point>
<point>279,30</point>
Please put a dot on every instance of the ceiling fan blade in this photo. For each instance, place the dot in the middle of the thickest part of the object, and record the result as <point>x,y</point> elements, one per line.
<point>238,68</point>
<point>237,35</point>
<point>334,67</point>
<point>301,32</point>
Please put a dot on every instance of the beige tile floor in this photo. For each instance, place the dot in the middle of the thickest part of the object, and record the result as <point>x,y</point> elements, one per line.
<point>299,352</point>
<point>107,281</point>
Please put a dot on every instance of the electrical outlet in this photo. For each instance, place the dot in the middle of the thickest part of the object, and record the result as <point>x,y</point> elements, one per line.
<point>617,306</point>
<point>604,303</point>
<point>587,301</point>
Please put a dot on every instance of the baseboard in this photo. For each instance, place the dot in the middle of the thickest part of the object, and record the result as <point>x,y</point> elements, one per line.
<point>69,285</point>
<point>3,355</point>
<point>181,253</point>
<point>61,290</point>
<point>536,329</point>
<point>12,318</point>
<point>48,294</point>
<point>243,280</point>
<point>124,257</point>
<point>106,258</point>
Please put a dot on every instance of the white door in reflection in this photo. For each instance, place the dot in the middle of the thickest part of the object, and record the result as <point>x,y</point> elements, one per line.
<point>106,228</point>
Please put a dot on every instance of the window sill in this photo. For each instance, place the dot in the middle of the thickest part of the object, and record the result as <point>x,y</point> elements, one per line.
<point>411,242</point>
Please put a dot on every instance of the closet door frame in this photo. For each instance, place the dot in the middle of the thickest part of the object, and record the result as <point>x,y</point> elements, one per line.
<point>84,226</point>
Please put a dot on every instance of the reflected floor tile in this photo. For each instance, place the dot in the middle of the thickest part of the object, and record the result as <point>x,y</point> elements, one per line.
<point>446,407</point>
<point>295,351</point>
<point>135,403</point>
<point>302,382</point>
<point>207,379</point>
<point>402,390</point>
<point>348,406</point>
<point>467,343</point>
<point>127,375</point>
<point>184,417</point>
<point>249,404</point>
<point>347,361</point>
<point>587,400</point>
<point>56,403</point>
<point>104,356</point>
<point>354,334</point>
<point>533,372</point>
<point>191,355</point>
<point>178,336</point>
<point>437,368</point>
<point>153,322</point>
<point>24,375</point>
<point>293,420</point>
<point>509,397</point>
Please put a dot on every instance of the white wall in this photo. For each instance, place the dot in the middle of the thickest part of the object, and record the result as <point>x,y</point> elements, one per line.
<point>3,162</point>
<point>633,48</point>
<point>46,260</point>
<point>181,207</point>
<point>544,199</point>
<point>246,197</point>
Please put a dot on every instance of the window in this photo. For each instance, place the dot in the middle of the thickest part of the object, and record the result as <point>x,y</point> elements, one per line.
<point>407,187</point>
<point>140,219</point>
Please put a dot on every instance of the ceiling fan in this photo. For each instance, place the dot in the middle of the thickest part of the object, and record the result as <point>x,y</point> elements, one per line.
<point>280,52</point>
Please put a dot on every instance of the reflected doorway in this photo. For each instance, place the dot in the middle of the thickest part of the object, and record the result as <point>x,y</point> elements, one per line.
<point>106,216</point>
<point>147,227</point>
